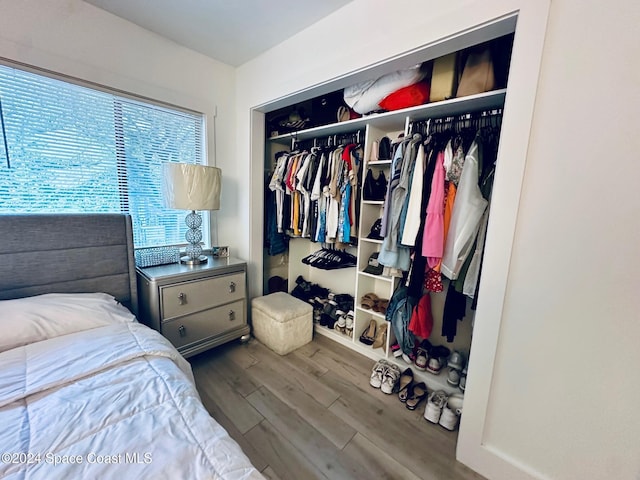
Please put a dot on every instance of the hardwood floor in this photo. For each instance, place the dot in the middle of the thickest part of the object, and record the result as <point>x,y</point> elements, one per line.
<point>313,415</point>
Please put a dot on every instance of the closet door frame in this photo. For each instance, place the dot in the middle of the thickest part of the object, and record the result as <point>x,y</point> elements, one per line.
<point>473,448</point>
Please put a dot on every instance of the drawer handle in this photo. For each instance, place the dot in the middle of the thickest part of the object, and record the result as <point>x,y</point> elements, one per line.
<point>182,331</point>
<point>182,298</point>
<point>232,315</point>
<point>232,287</point>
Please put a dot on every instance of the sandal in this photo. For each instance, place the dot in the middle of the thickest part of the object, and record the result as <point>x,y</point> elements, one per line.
<point>381,337</point>
<point>380,305</point>
<point>416,394</point>
<point>349,324</point>
<point>369,334</point>
<point>368,301</point>
<point>406,380</point>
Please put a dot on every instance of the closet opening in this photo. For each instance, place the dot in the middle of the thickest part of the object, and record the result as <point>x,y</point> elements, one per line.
<point>331,170</point>
<point>517,106</point>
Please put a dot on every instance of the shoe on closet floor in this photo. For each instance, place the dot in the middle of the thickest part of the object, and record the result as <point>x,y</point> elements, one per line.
<point>451,412</point>
<point>435,403</point>
<point>405,381</point>
<point>417,393</point>
<point>456,361</point>
<point>407,358</point>
<point>463,380</point>
<point>377,373</point>
<point>437,359</point>
<point>422,355</point>
<point>390,378</point>
<point>396,350</point>
<point>453,378</point>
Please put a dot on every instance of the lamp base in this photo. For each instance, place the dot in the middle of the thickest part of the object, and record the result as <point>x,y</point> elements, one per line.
<point>199,260</point>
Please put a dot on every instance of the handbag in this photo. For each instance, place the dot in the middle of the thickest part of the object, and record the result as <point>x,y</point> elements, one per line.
<point>373,155</point>
<point>374,188</point>
<point>478,75</point>
<point>443,77</point>
<point>384,149</point>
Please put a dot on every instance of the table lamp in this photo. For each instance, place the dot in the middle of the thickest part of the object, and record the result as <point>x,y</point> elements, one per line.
<point>192,187</point>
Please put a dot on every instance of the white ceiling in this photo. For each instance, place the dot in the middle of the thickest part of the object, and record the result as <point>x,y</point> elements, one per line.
<point>232,31</point>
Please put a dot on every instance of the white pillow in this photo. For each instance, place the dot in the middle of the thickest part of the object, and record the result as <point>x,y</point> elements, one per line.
<point>32,319</point>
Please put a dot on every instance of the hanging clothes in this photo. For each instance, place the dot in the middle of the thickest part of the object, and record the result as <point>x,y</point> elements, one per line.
<point>319,190</point>
<point>455,307</point>
<point>396,166</point>
<point>473,272</point>
<point>421,323</point>
<point>419,264</point>
<point>433,237</point>
<point>401,194</point>
<point>392,253</point>
<point>465,220</point>
<point>399,313</point>
<point>276,186</point>
<point>412,223</point>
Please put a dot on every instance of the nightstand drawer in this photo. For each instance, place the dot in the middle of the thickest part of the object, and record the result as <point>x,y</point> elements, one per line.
<point>202,325</point>
<point>189,297</point>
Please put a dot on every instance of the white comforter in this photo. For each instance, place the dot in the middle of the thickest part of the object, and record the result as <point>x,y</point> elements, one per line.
<point>111,402</point>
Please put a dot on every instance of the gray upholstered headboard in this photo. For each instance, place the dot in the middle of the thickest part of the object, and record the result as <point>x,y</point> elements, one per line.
<point>67,254</point>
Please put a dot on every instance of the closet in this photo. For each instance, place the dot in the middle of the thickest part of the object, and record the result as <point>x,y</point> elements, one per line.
<point>314,124</point>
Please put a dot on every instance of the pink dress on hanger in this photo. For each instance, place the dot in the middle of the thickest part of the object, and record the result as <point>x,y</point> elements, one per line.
<point>433,238</point>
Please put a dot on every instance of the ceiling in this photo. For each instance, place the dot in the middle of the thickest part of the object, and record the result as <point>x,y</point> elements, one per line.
<point>231,31</point>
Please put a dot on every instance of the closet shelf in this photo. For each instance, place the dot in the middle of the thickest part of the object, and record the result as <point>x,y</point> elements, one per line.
<point>377,277</point>
<point>380,316</point>
<point>389,120</point>
<point>370,240</point>
<point>379,163</point>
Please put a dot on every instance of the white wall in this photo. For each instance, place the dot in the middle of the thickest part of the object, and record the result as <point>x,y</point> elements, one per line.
<point>80,40</point>
<point>563,394</point>
<point>564,397</point>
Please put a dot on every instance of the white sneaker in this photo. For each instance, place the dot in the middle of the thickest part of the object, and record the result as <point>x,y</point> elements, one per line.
<point>435,402</point>
<point>451,412</point>
<point>389,379</point>
<point>377,373</point>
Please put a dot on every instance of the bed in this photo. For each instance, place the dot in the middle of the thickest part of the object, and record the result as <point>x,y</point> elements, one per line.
<point>85,390</point>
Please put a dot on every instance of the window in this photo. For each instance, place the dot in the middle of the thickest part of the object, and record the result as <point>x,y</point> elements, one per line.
<point>66,148</point>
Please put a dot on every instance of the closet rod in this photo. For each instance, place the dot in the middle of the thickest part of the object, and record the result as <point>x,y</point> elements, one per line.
<point>482,119</point>
<point>327,141</point>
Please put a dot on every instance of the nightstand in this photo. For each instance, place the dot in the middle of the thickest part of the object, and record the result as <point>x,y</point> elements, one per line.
<point>195,307</point>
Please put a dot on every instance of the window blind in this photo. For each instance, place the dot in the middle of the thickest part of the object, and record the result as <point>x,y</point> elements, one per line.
<point>73,149</point>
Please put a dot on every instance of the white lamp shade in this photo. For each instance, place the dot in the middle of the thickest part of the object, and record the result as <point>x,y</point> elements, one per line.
<point>191,187</point>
